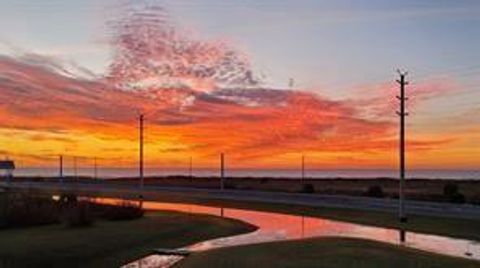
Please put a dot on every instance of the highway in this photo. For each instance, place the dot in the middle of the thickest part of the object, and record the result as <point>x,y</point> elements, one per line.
<point>161,193</point>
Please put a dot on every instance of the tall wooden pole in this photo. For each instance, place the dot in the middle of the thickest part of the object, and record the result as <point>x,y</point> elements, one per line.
<point>140,167</point>
<point>190,168</point>
<point>60,171</point>
<point>402,114</point>
<point>95,168</point>
<point>303,168</point>
<point>222,171</point>
<point>75,167</point>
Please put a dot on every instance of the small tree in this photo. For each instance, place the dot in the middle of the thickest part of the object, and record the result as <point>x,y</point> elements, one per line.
<point>123,211</point>
<point>79,215</point>
<point>308,188</point>
<point>452,193</point>
<point>375,191</point>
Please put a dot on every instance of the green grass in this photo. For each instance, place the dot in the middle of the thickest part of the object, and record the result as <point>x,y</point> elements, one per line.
<point>322,252</point>
<point>109,244</point>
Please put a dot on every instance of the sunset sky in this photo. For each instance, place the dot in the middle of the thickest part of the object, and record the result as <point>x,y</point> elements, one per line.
<point>262,81</point>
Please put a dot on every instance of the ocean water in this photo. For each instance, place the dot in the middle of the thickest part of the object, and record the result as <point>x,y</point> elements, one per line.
<point>275,173</point>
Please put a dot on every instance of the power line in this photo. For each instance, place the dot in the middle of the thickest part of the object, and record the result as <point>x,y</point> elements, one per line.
<point>465,70</point>
<point>450,71</point>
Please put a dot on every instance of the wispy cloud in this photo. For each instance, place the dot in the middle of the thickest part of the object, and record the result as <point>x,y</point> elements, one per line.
<point>150,51</point>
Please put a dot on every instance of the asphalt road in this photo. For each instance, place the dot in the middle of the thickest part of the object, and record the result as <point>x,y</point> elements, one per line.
<point>151,192</point>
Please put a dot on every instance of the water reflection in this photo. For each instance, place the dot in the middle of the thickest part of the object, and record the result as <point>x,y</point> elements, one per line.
<point>158,261</point>
<point>277,227</point>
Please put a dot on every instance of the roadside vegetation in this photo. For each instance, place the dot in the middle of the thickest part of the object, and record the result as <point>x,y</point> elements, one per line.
<point>19,210</point>
<point>425,189</point>
<point>92,235</point>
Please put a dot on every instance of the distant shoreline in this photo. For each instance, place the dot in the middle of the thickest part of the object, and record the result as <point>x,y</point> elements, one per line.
<point>293,179</point>
<point>107,172</point>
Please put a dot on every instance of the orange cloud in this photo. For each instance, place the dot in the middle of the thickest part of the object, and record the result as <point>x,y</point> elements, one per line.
<point>53,114</point>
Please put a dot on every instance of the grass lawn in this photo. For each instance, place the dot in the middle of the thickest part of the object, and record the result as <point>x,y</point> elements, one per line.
<point>322,252</point>
<point>107,243</point>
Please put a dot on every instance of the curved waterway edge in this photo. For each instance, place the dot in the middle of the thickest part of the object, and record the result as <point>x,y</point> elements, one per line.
<point>274,226</point>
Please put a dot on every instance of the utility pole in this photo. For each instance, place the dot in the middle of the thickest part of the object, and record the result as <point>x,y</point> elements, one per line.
<point>141,151</point>
<point>222,171</point>
<point>75,168</point>
<point>303,168</point>
<point>402,114</point>
<point>291,83</point>
<point>61,168</point>
<point>94,168</point>
<point>190,168</point>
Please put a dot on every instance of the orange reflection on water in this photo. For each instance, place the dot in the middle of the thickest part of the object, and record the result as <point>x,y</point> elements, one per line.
<point>278,227</point>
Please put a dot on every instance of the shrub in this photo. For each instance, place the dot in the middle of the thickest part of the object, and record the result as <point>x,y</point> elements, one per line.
<point>123,211</point>
<point>79,215</point>
<point>19,210</point>
<point>68,199</point>
<point>230,185</point>
<point>375,191</point>
<point>308,188</point>
<point>458,198</point>
<point>450,189</point>
<point>452,193</point>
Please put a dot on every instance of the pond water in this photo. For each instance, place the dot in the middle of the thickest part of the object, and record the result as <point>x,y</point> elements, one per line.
<point>278,227</point>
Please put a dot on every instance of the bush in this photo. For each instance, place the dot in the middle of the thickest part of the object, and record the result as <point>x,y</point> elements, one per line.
<point>79,215</point>
<point>123,211</point>
<point>19,210</point>
<point>375,191</point>
<point>458,198</point>
<point>452,193</point>
<point>230,185</point>
<point>68,199</point>
<point>450,189</point>
<point>308,188</point>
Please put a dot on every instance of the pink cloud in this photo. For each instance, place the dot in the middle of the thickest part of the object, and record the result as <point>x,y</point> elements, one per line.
<point>150,51</point>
